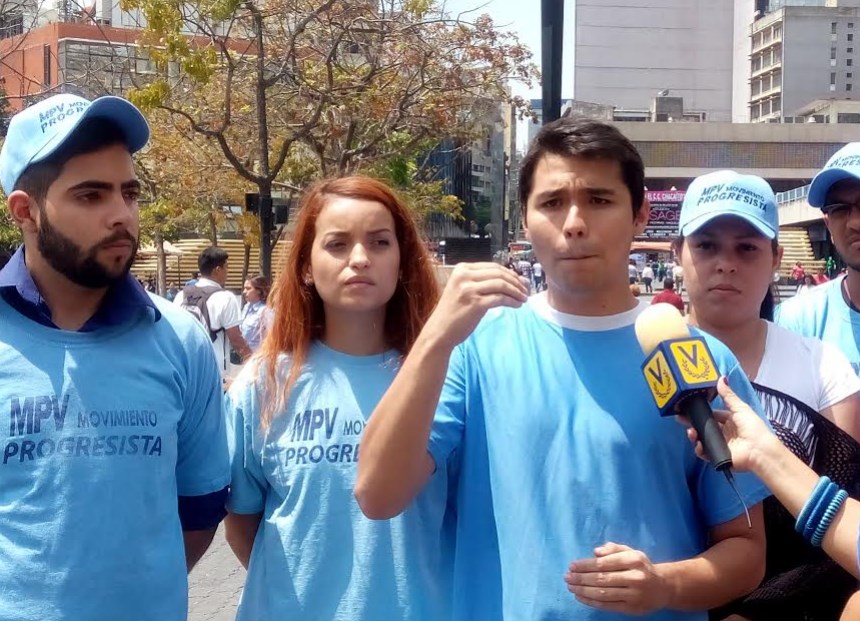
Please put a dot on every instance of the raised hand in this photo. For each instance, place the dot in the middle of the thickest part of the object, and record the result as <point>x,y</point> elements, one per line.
<point>472,290</point>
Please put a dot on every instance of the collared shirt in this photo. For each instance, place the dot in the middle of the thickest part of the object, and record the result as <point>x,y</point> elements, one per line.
<point>122,301</point>
<point>256,319</point>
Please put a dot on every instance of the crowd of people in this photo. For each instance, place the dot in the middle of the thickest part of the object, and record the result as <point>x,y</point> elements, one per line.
<point>513,463</point>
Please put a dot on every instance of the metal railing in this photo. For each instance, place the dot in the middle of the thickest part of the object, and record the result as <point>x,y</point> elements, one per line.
<point>792,195</point>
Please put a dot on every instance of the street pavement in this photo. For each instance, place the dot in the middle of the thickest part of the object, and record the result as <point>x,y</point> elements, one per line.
<point>215,584</point>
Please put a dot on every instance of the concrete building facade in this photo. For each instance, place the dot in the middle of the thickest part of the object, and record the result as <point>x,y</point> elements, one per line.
<point>799,54</point>
<point>827,111</point>
<point>787,155</point>
<point>629,50</point>
<point>491,157</point>
<point>72,57</point>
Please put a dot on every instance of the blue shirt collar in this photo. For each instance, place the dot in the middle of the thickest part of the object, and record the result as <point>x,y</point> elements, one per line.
<point>123,301</point>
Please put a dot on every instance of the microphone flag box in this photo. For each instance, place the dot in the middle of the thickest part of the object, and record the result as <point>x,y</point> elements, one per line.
<point>677,368</point>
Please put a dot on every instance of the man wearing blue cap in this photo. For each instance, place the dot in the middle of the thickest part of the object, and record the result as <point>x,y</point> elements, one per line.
<point>831,311</point>
<point>115,467</point>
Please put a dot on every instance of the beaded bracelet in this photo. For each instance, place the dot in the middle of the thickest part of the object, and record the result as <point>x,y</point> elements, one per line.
<point>832,509</point>
<point>812,501</point>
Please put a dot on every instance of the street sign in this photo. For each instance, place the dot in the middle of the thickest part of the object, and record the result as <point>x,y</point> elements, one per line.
<point>665,211</point>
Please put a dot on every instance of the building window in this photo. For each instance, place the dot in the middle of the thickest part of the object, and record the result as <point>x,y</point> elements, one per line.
<point>11,25</point>
<point>849,62</point>
<point>833,28</point>
<point>848,87</point>
<point>849,75</point>
<point>850,25</point>
<point>850,37</point>
<point>832,53</point>
<point>850,50</point>
<point>46,64</point>
<point>833,77</point>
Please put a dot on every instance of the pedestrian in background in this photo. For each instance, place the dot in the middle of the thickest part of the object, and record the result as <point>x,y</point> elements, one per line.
<point>217,309</point>
<point>806,285</point>
<point>648,278</point>
<point>669,296</point>
<point>256,316</point>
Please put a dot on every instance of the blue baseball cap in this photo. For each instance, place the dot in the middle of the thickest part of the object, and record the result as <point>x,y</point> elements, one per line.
<point>35,133</point>
<point>845,164</point>
<point>727,193</point>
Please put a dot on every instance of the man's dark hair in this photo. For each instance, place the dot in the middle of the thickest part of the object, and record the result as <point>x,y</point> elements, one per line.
<point>211,258</point>
<point>668,283</point>
<point>90,136</point>
<point>588,139</point>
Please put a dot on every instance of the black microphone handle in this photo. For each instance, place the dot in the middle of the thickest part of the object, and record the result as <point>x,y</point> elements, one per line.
<point>697,408</point>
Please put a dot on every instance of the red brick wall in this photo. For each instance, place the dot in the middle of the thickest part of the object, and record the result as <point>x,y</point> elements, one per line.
<point>22,68</point>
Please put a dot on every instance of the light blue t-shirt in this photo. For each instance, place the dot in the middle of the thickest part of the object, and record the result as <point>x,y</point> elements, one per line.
<point>104,430</point>
<point>316,556</point>
<point>562,449</point>
<point>823,314</point>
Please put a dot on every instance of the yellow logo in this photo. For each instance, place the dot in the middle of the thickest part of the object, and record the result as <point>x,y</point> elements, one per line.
<point>660,380</point>
<point>694,361</point>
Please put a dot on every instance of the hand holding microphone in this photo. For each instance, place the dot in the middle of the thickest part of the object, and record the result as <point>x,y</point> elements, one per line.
<point>749,439</point>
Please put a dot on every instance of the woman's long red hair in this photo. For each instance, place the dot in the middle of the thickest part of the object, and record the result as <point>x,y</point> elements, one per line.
<point>299,318</point>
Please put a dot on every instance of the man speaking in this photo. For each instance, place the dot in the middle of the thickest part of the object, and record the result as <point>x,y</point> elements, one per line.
<point>569,479</point>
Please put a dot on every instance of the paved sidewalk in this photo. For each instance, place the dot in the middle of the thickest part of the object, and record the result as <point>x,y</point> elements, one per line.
<point>215,584</point>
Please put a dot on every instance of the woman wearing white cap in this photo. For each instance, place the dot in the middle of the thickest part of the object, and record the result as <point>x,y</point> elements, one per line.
<point>729,251</point>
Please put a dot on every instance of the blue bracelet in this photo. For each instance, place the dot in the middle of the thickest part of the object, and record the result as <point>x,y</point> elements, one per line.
<point>829,515</point>
<point>819,510</point>
<point>813,499</point>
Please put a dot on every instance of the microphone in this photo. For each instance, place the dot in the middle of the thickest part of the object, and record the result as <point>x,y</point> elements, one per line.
<point>682,376</point>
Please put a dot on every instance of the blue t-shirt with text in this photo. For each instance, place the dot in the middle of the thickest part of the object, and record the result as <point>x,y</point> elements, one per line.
<point>316,556</point>
<point>103,430</point>
<point>562,449</point>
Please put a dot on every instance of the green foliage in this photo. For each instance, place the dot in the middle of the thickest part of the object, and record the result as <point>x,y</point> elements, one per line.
<point>150,96</point>
<point>301,90</point>
<point>422,196</point>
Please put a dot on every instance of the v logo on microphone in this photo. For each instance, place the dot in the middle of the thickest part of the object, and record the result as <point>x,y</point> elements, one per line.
<point>693,360</point>
<point>660,381</point>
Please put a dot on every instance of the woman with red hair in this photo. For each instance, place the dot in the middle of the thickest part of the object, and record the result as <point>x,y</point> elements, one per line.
<point>356,290</point>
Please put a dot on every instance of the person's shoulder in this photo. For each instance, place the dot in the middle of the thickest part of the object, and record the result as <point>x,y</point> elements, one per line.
<point>784,340</point>
<point>180,321</point>
<point>223,294</point>
<point>723,356</point>
<point>173,314</point>
<point>225,299</point>
<point>817,297</point>
<point>247,381</point>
